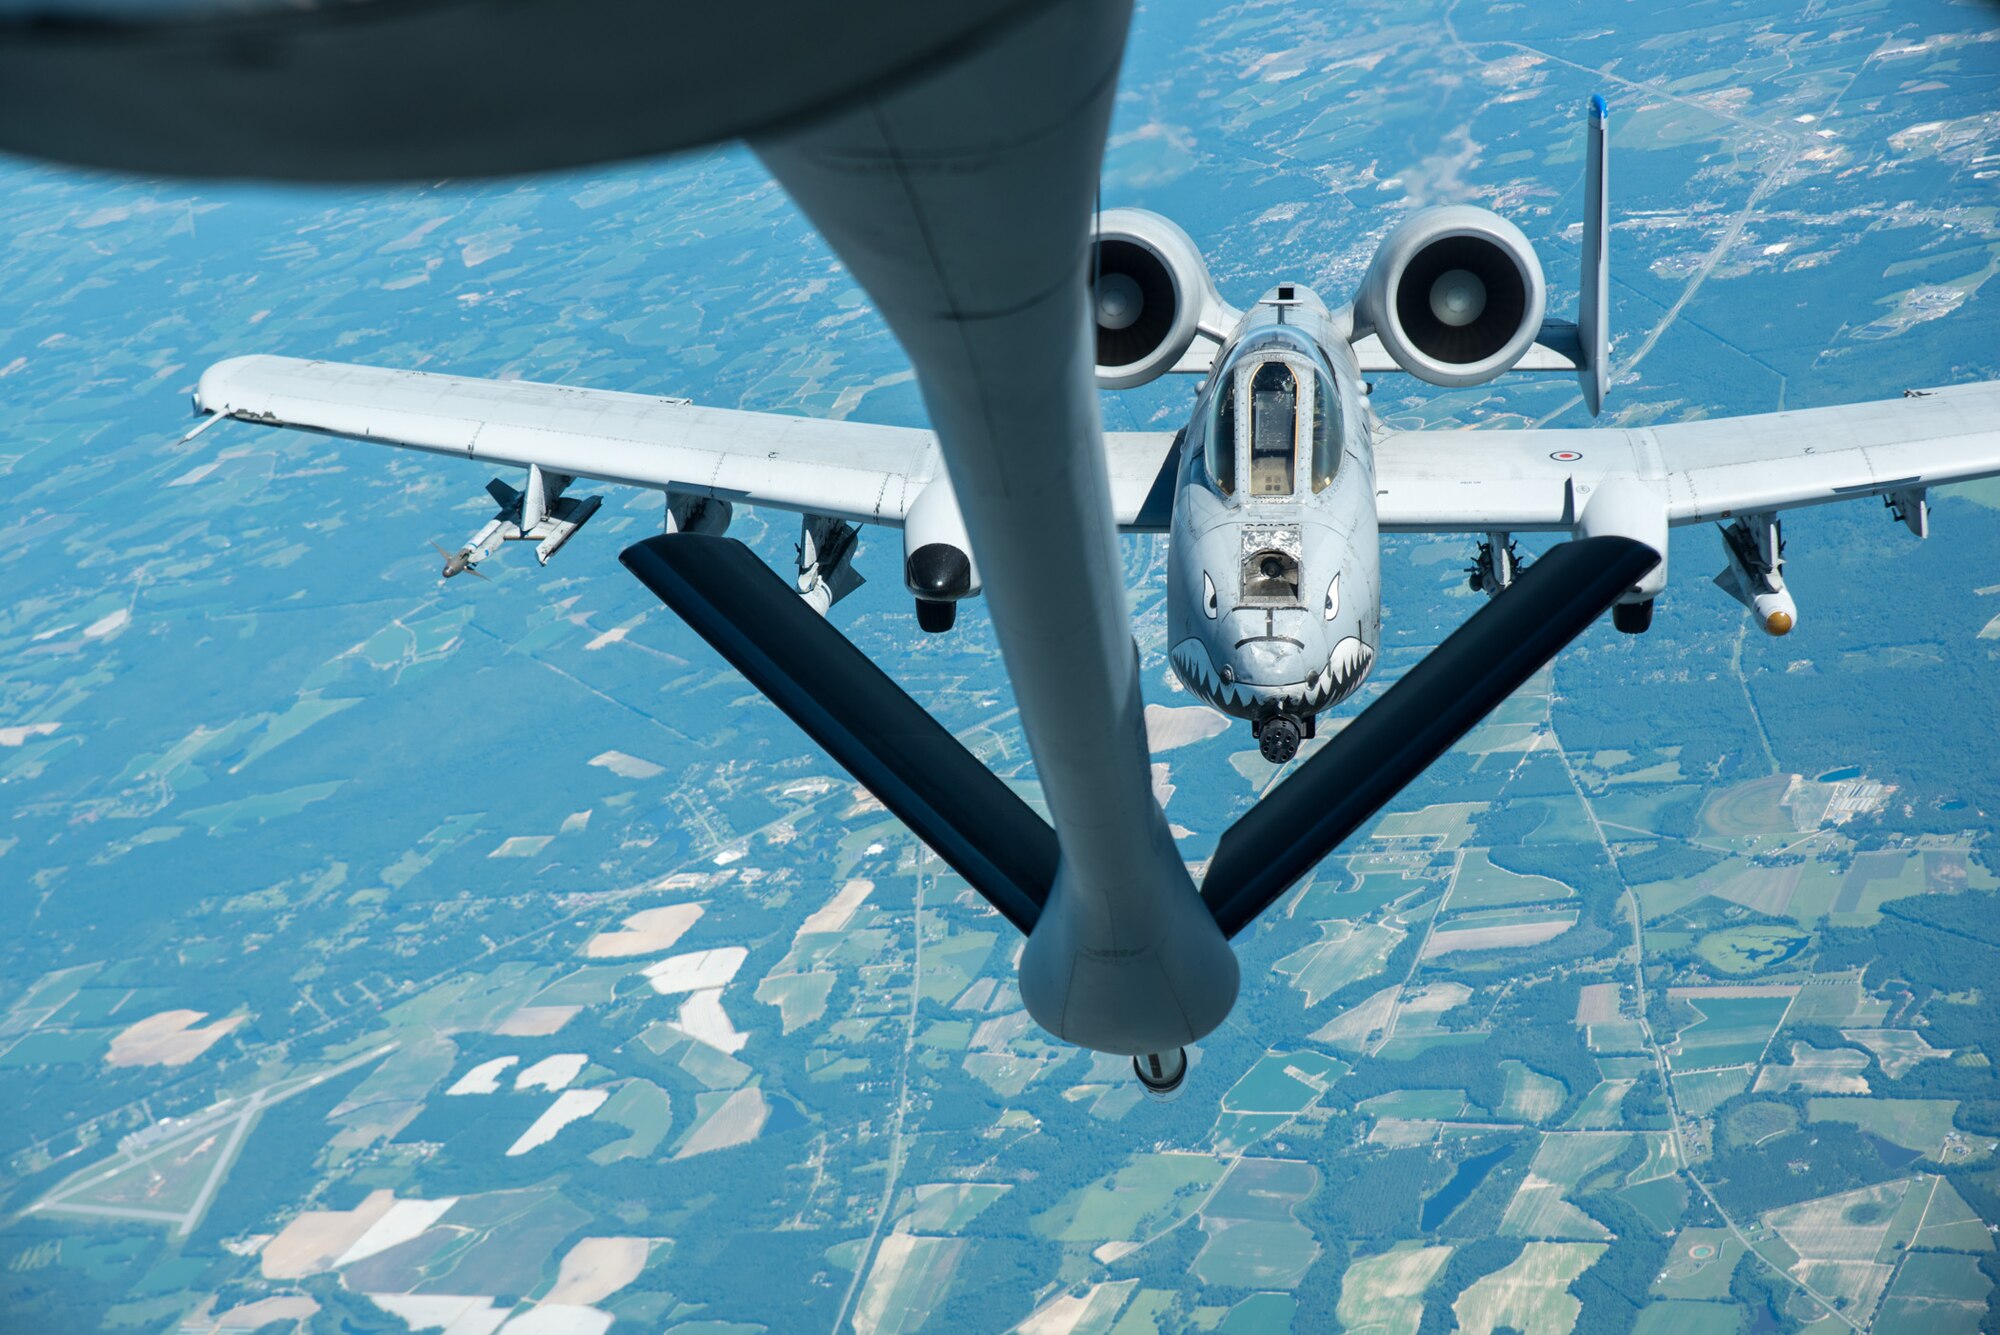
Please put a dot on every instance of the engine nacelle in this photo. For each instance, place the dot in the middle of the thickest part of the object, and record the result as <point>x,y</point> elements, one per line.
<point>1455,294</point>
<point>1150,295</point>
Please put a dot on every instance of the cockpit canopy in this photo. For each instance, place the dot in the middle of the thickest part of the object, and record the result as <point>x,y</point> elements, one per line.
<point>1292,424</point>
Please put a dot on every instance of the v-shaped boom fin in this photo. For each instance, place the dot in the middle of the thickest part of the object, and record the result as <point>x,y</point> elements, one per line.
<point>1417,720</point>
<point>866,722</point>
<point>951,801</point>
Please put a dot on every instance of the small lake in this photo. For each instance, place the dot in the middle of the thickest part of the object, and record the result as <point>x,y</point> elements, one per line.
<point>1470,1174</point>
<point>1892,1154</point>
<point>1841,775</point>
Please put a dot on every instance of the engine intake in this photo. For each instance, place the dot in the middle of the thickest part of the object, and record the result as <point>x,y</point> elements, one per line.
<point>1455,294</point>
<point>1150,292</point>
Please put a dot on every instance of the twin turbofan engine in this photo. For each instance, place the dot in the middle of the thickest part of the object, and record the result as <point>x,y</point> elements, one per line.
<point>1455,294</point>
<point>1153,297</point>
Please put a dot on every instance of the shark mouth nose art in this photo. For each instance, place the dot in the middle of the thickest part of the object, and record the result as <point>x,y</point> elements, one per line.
<point>1338,678</point>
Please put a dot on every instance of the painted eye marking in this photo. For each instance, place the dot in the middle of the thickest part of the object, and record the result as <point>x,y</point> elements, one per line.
<point>1332,608</point>
<point>1208,595</point>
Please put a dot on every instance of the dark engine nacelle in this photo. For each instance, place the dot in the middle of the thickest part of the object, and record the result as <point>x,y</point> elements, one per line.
<point>1455,294</point>
<point>1150,290</point>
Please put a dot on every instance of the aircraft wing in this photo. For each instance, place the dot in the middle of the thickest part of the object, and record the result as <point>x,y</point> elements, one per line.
<point>849,470</point>
<point>856,471</point>
<point>1477,481</point>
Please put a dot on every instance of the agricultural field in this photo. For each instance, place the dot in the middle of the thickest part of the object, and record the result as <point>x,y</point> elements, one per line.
<point>596,1268</point>
<point>1701,1092</point>
<point>1385,1293</point>
<point>1531,1096</point>
<point>645,1111</point>
<point>1414,1020</point>
<point>1815,1071</point>
<point>1601,1106</point>
<point>1688,1318</point>
<point>1255,1240</point>
<point>1920,1125</point>
<point>1346,952</point>
<point>1849,1244</point>
<point>908,1277</point>
<point>1416,1104</point>
<point>1935,1294</point>
<point>1150,1191</point>
<point>1733,1029</point>
<point>1481,885</point>
<point>947,1207</point>
<point>1541,1207</point>
<point>1897,1050</point>
<point>1559,820</point>
<point>1597,1003</point>
<point>1445,826</point>
<point>1628,809</point>
<point>1497,929</point>
<point>1284,1083</point>
<point>1362,1026</point>
<point>1091,1312</point>
<point>1757,1122</point>
<point>1699,1265</point>
<point>1876,879</point>
<point>1531,1294</point>
<point>724,1120</point>
<point>1854,1225</point>
<point>1839,1000</point>
<point>1773,891</point>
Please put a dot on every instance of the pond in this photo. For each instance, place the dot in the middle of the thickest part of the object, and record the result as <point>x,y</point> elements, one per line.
<point>1470,1174</point>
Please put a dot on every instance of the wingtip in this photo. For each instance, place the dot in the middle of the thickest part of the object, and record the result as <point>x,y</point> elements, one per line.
<point>1598,109</point>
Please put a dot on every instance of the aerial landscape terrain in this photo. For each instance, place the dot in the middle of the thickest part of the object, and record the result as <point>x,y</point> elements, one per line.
<point>388,954</point>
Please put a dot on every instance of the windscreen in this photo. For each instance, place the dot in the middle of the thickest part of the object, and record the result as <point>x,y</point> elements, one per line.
<point>1274,413</point>
<point>1222,438</point>
<point>1326,432</point>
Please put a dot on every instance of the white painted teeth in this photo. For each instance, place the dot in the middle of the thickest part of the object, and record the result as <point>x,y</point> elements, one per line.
<point>1195,672</point>
<point>1345,669</point>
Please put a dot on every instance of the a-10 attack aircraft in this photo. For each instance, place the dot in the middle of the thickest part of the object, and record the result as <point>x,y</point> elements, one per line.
<point>950,155</point>
<point>1275,493</point>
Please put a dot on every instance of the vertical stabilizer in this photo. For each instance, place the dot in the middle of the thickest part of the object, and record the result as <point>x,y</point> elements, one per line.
<point>1593,317</point>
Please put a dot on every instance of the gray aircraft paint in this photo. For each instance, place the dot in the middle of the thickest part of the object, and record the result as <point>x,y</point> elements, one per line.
<point>1255,654</point>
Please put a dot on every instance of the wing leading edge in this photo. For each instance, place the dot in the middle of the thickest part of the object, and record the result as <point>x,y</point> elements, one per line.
<point>1481,481</point>
<point>856,471</point>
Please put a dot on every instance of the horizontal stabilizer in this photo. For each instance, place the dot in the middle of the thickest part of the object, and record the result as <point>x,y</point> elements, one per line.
<point>1417,720</point>
<point>866,722</point>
